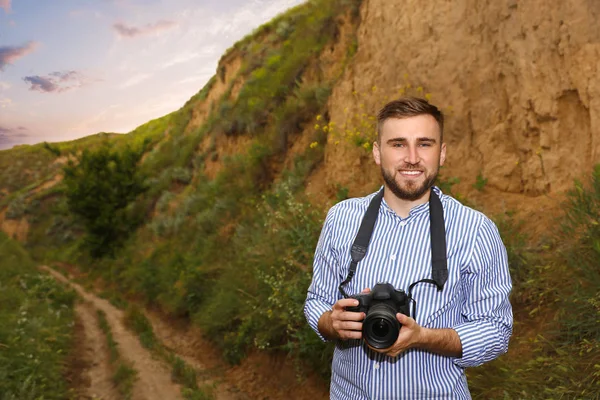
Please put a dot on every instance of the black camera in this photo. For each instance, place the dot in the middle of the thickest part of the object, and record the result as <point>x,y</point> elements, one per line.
<point>380,326</point>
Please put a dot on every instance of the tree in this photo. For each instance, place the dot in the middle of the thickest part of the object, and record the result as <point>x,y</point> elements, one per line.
<point>100,186</point>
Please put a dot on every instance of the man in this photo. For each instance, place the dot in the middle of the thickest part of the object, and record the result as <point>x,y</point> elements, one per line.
<point>465,324</point>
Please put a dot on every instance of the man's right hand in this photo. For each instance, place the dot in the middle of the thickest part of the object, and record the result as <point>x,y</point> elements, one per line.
<point>341,324</point>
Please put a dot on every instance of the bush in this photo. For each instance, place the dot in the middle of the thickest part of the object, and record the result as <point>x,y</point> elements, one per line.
<point>99,188</point>
<point>17,208</point>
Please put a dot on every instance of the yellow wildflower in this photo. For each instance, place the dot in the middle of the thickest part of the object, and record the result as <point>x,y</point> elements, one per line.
<point>313,145</point>
<point>319,117</point>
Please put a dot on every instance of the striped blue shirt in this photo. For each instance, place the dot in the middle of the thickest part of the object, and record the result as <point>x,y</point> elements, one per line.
<point>474,301</point>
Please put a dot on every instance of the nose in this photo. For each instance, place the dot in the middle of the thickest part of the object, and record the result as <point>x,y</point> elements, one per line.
<point>411,156</point>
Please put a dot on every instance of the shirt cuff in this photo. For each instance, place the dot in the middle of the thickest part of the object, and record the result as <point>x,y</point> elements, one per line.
<point>474,339</point>
<point>313,311</point>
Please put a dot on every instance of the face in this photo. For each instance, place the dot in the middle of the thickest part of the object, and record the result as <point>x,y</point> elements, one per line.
<point>410,154</point>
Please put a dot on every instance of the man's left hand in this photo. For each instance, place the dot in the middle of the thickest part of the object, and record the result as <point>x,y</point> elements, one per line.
<point>410,336</point>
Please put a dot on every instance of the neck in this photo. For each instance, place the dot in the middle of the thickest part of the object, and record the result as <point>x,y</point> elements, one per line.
<point>400,206</point>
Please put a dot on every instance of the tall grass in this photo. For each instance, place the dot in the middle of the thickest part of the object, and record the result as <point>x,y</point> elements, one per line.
<point>36,326</point>
<point>558,299</point>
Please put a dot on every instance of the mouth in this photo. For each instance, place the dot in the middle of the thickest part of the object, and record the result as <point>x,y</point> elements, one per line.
<point>410,173</point>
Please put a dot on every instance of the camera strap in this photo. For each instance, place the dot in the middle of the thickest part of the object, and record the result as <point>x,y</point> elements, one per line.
<point>439,264</point>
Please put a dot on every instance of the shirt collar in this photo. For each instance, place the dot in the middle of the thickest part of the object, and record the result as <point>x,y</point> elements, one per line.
<point>417,210</point>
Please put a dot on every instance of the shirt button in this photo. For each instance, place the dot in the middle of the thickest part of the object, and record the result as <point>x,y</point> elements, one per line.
<point>376,366</point>
<point>393,257</point>
<point>402,223</point>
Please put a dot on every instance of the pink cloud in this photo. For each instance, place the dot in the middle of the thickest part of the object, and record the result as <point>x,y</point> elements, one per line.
<point>132,31</point>
<point>5,4</point>
<point>56,82</point>
<point>10,54</point>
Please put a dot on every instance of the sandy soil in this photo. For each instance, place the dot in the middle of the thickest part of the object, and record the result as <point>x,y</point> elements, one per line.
<point>154,378</point>
<point>94,353</point>
<point>259,376</point>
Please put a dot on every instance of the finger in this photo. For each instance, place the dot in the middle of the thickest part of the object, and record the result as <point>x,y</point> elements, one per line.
<point>351,316</point>
<point>350,334</point>
<point>348,326</point>
<point>405,319</point>
<point>366,290</point>
<point>343,303</point>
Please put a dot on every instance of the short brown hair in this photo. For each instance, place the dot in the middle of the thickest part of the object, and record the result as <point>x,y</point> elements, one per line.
<point>406,107</point>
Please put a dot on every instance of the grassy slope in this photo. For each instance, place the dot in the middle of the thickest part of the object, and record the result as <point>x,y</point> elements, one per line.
<point>36,320</point>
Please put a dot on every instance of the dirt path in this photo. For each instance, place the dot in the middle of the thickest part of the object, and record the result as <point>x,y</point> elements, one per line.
<point>259,376</point>
<point>154,378</point>
<point>187,343</point>
<point>95,353</point>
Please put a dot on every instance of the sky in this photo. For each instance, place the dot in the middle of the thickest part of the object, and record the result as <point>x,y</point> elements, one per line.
<point>72,68</point>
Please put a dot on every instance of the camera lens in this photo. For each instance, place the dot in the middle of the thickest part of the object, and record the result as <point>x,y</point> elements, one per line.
<point>381,328</point>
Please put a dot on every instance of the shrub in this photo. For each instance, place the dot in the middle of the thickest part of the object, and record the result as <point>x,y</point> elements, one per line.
<point>100,186</point>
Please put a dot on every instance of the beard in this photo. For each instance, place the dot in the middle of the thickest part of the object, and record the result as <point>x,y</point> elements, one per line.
<point>413,190</point>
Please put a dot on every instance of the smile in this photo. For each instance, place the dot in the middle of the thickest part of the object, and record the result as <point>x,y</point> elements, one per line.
<point>411,173</point>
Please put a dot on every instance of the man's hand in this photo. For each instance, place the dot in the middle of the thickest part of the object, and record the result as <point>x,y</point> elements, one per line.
<point>341,324</point>
<point>441,341</point>
<point>409,336</point>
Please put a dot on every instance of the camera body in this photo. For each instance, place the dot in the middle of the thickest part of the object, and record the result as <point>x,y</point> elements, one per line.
<point>380,326</point>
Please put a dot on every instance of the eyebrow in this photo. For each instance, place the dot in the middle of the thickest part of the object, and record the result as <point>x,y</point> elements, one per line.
<point>419,140</point>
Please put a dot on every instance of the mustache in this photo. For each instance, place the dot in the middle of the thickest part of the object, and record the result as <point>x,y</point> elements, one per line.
<point>410,167</point>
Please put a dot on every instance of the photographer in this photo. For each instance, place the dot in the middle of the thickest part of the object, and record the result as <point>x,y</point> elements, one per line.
<point>463,318</point>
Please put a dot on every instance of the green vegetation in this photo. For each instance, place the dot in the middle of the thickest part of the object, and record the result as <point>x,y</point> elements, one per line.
<point>36,321</point>
<point>99,188</point>
<point>181,372</point>
<point>480,182</point>
<point>556,288</point>
<point>136,321</point>
<point>124,375</point>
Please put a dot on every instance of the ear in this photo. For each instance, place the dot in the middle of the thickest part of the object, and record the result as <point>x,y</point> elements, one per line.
<point>443,154</point>
<point>376,153</point>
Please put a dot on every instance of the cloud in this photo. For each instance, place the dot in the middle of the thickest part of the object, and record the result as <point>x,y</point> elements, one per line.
<point>56,82</point>
<point>10,54</point>
<point>10,137</point>
<point>5,4</point>
<point>18,131</point>
<point>5,102</point>
<point>132,31</point>
<point>134,80</point>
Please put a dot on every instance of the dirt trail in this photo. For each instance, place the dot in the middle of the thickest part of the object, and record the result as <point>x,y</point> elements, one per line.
<point>187,343</point>
<point>259,376</point>
<point>95,353</point>
<point>154,378</point>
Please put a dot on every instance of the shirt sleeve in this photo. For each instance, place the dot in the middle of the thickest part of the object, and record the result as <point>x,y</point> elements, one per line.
<point>323,291</point>
<point>486,312</point>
